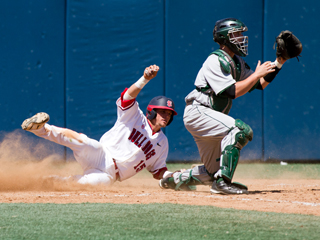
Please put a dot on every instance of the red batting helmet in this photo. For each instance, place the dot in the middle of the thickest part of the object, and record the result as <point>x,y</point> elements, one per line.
<point>160,102</point>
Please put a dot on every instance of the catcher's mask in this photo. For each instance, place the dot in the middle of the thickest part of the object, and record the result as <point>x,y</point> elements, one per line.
<point>223,33</point>
<point>160,102</point>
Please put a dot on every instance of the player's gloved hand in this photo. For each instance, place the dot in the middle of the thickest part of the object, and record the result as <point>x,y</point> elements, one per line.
<point>288,45</point>
<point>150,72</point>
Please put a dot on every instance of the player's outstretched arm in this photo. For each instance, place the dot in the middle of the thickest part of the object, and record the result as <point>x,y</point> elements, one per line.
<point>242,87</point>
<point>149,73</point>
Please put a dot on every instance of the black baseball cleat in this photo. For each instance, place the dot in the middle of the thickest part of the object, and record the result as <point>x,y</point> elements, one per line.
<point>35,122</point>
<point>222,187</point>
<point>167,183</point>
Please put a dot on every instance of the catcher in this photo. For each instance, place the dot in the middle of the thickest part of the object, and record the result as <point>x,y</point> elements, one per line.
<point>225,76</point>
<point>135,141</point>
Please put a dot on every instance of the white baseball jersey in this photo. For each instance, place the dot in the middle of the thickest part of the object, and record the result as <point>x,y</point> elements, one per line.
<point>132,143</point>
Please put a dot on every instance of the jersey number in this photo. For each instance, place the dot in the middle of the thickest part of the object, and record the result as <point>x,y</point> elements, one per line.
<point>141,165</point>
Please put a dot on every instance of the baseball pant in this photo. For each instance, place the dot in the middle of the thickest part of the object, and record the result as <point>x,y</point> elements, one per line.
<point>98,167</point>
<point>211,130</point>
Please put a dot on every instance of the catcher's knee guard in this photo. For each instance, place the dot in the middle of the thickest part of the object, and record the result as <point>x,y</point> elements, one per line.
<point>231,153</point>
<point>244,135</point>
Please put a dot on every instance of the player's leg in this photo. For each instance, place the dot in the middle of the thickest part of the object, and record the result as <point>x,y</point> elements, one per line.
<point>95,177</point>
<point>92,177</point>
<point>208,128</point>
<point>63,136</point>
<point>212,132</point>
<point>37,124</point>
<point>88,152</point>
<point>236,139</point>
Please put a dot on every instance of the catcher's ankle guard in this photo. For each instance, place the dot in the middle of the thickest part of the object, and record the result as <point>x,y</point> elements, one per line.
<point>188,184</point>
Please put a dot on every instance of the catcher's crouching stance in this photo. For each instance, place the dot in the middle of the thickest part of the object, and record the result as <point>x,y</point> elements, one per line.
<point>225,76</point>
<point>135,141</point>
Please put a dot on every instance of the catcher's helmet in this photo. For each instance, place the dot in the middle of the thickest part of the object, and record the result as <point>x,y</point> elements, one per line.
<point>160,102</point>
<point>223,34</point>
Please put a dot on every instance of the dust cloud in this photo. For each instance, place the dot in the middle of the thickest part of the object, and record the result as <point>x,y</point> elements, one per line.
<point>29,164</point>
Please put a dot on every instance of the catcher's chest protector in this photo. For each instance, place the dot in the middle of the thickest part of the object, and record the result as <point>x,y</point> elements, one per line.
<point>228,64</point>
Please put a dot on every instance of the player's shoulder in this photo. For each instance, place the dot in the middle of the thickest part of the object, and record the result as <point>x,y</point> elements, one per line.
<point>212,58</point>
<point>212,62</point>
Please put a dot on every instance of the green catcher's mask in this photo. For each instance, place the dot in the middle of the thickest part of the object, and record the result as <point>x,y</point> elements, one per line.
<point>223,33</point>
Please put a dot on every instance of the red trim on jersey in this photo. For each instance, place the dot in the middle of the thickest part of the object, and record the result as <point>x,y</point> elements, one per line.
<point>151,127</point>
<point>126,104</point>
<point>157,172</point>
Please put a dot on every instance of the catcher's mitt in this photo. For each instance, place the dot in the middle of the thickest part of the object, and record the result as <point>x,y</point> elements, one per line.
<point>288,45</point>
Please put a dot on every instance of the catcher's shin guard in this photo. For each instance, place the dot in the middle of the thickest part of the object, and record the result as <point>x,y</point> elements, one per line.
<point>229,162</point>
<point>231,153</point>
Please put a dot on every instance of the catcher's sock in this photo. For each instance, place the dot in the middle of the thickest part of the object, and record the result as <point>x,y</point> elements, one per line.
<point>219,180</point>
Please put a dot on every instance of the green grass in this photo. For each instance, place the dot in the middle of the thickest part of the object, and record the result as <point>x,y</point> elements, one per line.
<point>163,221</point>
<point>152,221</point>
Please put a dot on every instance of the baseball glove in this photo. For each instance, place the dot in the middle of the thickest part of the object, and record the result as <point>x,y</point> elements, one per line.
<point>288,45</point>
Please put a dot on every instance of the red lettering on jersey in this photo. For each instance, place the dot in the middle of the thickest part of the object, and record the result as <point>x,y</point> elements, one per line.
<point>142,142</point>
<point>147,147</point>
<point>132,133</point>
<point>150,154</point>
<point>141,165</point>
<point>136,135</point>
<point>137,141</point>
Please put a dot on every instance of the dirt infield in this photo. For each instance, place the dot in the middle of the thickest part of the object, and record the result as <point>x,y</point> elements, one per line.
<point>25,183</point>
<point>22,180</point>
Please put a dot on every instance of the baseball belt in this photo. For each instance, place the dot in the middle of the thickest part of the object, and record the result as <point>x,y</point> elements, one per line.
<point>117,169</point>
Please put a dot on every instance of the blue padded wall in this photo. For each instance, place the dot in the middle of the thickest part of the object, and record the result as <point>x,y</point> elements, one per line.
<point>73,58</point>
<point>32,60</point>
<point>32,65</point>
<point>109,43</point>
<point>291,102</point>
